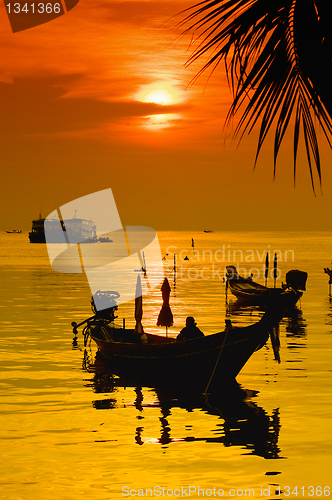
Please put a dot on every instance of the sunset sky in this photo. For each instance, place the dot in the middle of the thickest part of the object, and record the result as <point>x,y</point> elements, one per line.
<point>100,98</point>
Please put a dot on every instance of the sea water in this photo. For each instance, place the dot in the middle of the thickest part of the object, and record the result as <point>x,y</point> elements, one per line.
<point>69,430</point>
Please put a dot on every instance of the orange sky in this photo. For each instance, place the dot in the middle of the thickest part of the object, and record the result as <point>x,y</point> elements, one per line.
<point>75,119</point>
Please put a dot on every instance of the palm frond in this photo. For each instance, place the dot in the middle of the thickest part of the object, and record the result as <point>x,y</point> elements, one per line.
<point>278,60</point>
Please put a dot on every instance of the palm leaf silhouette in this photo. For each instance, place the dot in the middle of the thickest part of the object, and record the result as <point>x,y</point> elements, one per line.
<point>278,60</point>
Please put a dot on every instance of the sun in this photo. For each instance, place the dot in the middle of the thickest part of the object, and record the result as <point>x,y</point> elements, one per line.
<point>158,94</point>
<point>162,94</point>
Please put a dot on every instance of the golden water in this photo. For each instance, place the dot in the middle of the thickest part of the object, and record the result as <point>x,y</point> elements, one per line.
<point>68,432</point>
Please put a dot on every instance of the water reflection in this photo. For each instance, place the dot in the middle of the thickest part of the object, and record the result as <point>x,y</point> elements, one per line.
<point>293,321</point>
<point>239,420</point>
<point>296,328</point>
<point>329,311</point>
<point>239,311</point>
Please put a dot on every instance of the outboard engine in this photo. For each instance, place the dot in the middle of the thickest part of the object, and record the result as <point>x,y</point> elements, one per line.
<point>231,273</point>
<point>106,304</point>
<point>296,279</point>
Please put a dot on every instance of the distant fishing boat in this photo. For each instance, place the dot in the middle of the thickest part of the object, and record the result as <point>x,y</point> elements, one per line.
<point>76,230</point>
<point>251,292</point>
<point>208,231</point>
<point>13,231</point>
<point>104,239</point>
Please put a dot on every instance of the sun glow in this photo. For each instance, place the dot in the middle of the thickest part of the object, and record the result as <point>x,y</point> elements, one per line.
<point>158,122</point>
<point>162,94</point>
<point>160,97</point>
<point>158,94</point>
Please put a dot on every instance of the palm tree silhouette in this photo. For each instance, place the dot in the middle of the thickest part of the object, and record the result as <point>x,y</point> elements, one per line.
<point>278,60</point>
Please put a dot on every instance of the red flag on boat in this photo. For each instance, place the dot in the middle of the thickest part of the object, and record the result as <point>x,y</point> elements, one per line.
<point>165,317</point>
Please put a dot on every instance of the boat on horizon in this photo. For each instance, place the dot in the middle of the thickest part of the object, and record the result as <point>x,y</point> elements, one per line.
<point>14,231</point>
<point>76,230</point>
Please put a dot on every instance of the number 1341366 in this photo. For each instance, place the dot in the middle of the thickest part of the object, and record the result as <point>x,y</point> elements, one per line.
<point>33,8</point>
<point>303,491</point>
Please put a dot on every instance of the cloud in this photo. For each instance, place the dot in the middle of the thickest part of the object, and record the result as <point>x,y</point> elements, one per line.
<point>33,106</point>
<point>143,13</point>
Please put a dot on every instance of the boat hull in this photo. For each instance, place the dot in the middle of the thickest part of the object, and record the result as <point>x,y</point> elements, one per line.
<point>75,230</point>
<point>255,294</point>
<point>213,360</point>
<point>37,237</point>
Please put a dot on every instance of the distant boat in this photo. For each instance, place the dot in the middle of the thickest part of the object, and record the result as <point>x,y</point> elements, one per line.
<point>253,293</point>
<point>37,233</point>
<point>76,230</point>
<point>208,231</point>
<point>14,231</point>
<point>105,239</point>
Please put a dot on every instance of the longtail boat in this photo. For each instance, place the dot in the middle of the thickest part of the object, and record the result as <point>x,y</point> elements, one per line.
<point>209,361</point>
<point>254,293</point>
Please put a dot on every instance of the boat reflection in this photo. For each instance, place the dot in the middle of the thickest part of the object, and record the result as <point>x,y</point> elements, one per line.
<point>296,328</point>
<point>239,420</point>
<point>240,312</point>
<point>293,321</point>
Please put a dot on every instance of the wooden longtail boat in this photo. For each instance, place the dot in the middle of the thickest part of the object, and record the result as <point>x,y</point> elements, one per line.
<point>251,292</point>
<point>209,361</point>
